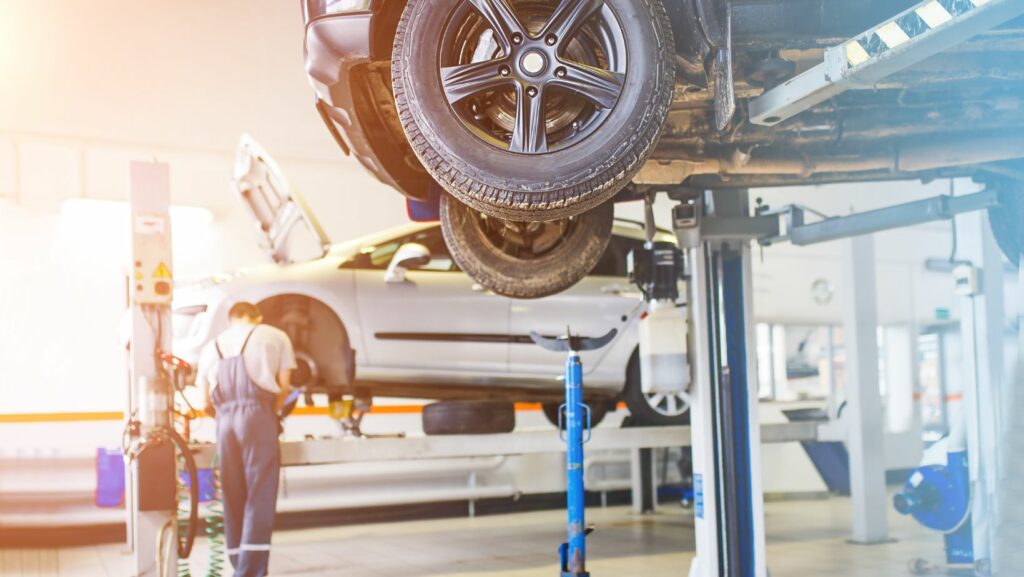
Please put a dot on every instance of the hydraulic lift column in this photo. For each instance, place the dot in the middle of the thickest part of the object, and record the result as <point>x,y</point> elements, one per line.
<point>729,505</point>
<point>152,467</point>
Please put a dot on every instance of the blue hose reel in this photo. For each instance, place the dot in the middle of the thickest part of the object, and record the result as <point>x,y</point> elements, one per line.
<point>939,498</point>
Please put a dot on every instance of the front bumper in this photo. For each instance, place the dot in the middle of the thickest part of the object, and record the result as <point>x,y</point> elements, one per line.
<point>354,98</point>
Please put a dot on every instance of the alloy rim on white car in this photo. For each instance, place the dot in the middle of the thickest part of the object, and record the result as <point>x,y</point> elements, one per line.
<point>669,404</point>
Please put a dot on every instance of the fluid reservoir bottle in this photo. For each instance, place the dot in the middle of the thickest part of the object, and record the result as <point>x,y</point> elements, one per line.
<point>664,367</point>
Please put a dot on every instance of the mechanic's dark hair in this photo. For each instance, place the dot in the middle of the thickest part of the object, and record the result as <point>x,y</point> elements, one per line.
<point>244,310</point>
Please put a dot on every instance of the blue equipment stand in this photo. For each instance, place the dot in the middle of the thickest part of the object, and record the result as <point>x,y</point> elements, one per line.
<point>573,553</point>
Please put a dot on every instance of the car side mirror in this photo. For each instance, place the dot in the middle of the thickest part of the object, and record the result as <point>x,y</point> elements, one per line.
<point>408,255</point>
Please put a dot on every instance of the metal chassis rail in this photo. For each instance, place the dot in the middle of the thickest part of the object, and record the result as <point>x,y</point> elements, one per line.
<point>896,44</point>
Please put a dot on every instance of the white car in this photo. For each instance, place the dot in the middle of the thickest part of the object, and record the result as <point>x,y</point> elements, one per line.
<point>391,314</point>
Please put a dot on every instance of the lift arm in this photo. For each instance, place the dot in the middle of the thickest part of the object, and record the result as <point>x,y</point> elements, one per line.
<point>927,29</point>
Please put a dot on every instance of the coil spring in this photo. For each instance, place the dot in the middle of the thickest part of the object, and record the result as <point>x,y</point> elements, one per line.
<point>215,526</point>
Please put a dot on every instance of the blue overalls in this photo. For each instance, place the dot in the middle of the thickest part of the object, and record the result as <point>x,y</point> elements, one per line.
<point>250,463</point>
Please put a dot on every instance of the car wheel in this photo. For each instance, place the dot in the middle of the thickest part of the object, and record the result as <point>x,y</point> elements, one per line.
<point>469,418</point>
<point>1007,220</point>
<point>525,259</point>
<point>598,411</point>
<point>533,110</point>
<point>653,409</point>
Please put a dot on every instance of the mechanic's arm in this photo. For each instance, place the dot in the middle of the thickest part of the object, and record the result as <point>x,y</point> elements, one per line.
<point>203,382</point>
<point>207,399</point>
<point>284,381</point>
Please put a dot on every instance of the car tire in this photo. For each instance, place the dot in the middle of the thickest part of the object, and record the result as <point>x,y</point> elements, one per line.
<point>469,418</point>
<point>553,182</point>
<point>598,411</point>
<point>1007,220</point>
<point>475,243</point>
<point>642,409</point>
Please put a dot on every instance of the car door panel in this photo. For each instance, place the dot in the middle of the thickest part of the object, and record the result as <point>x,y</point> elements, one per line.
<point>434,319</point>
<point>597,304</point>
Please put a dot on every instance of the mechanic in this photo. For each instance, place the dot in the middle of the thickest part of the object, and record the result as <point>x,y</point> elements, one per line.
<point>245,375</point>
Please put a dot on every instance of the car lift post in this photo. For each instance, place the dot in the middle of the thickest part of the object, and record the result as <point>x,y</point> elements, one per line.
<point>728,500</point>
<point>982,325</point>
<point>151,463</point>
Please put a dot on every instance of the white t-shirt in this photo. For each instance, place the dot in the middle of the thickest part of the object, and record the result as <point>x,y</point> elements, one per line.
<point>269,352</point>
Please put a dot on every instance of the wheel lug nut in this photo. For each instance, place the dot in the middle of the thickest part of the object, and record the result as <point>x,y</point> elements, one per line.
<point>531,92</point>
<point>517,39</point>
<point>551,39</point>
<point>504,71</point>
<point>560,72</point>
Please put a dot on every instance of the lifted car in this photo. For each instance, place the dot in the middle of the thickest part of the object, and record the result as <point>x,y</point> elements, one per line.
<point>392,315</point>
<point>531,115</point>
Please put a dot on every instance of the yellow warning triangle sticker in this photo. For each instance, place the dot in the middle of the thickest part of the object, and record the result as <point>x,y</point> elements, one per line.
<point>162,271</point>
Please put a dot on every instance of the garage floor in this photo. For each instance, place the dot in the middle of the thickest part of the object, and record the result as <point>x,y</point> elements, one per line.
<point>806,538</point>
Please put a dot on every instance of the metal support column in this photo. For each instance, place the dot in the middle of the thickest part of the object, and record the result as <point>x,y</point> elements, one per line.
<point>152,490</point>
<point>644,485</point>
<point>865,432</point>
<point>729,510</point>
<point>982,327</point>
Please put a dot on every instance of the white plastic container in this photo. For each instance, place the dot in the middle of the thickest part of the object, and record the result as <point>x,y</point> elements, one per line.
<point>664,362</point>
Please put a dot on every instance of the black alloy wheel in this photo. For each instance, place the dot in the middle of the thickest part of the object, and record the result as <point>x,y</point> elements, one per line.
<point>541,90</point>
<point>533,110</point>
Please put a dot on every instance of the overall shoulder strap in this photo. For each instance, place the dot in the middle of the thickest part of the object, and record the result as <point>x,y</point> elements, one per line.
<point>216,345</point>
<point>245,343</point>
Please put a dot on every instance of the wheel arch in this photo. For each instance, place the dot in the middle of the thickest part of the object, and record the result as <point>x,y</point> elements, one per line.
<point>386,15</point>
<point>317,331</point>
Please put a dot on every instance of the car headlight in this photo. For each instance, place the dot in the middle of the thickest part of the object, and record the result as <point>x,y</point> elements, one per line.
<point>316,8</point>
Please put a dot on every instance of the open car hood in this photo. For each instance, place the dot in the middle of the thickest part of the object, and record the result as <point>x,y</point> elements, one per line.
<point>273,201</point>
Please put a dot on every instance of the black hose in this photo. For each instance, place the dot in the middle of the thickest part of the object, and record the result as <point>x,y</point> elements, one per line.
<point>185,547</point>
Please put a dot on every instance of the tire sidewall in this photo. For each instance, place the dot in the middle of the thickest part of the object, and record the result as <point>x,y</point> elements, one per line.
<point>554,272</point>
<point>560,170</point>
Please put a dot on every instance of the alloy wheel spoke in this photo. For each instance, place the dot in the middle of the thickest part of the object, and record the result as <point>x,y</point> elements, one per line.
<point>502,19</point>
<point>569,16</point>
<point>468,79</point>
<point>655,400</point>
<point>530,133</point>
<point>672,404</point>
<point>602,87</point>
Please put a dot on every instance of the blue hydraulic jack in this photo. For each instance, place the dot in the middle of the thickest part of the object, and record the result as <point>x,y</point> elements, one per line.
<point>574,552</point>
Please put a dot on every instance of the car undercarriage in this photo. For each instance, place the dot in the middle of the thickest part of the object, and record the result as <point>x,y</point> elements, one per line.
<point>522,123</point>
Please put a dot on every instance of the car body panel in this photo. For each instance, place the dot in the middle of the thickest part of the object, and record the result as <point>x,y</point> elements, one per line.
<point>348,83</point>
<point>435,329</point>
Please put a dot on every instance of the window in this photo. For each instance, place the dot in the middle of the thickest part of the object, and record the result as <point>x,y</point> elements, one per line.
<point>379,257</point>
<point>613,262</point>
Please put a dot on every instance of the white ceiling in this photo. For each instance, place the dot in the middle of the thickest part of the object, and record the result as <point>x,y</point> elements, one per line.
<point>189,74</point>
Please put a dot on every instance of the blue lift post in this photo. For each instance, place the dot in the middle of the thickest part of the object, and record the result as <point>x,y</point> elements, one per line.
<point>728,500</point>
<point>573,553</point>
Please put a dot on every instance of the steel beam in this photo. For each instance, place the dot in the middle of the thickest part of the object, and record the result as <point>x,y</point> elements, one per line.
<point>929,28</point>
<point>328,451</point>
<point>941,207</point>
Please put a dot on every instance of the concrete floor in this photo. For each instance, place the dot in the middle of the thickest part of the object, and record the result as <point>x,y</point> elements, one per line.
<point>806,538</point>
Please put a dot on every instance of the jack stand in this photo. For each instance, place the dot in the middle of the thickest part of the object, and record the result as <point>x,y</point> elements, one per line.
<point>348,413</point>
<point>573,553</point>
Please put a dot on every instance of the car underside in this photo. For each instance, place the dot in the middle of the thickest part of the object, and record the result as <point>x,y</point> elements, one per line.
<point>528,113</point>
